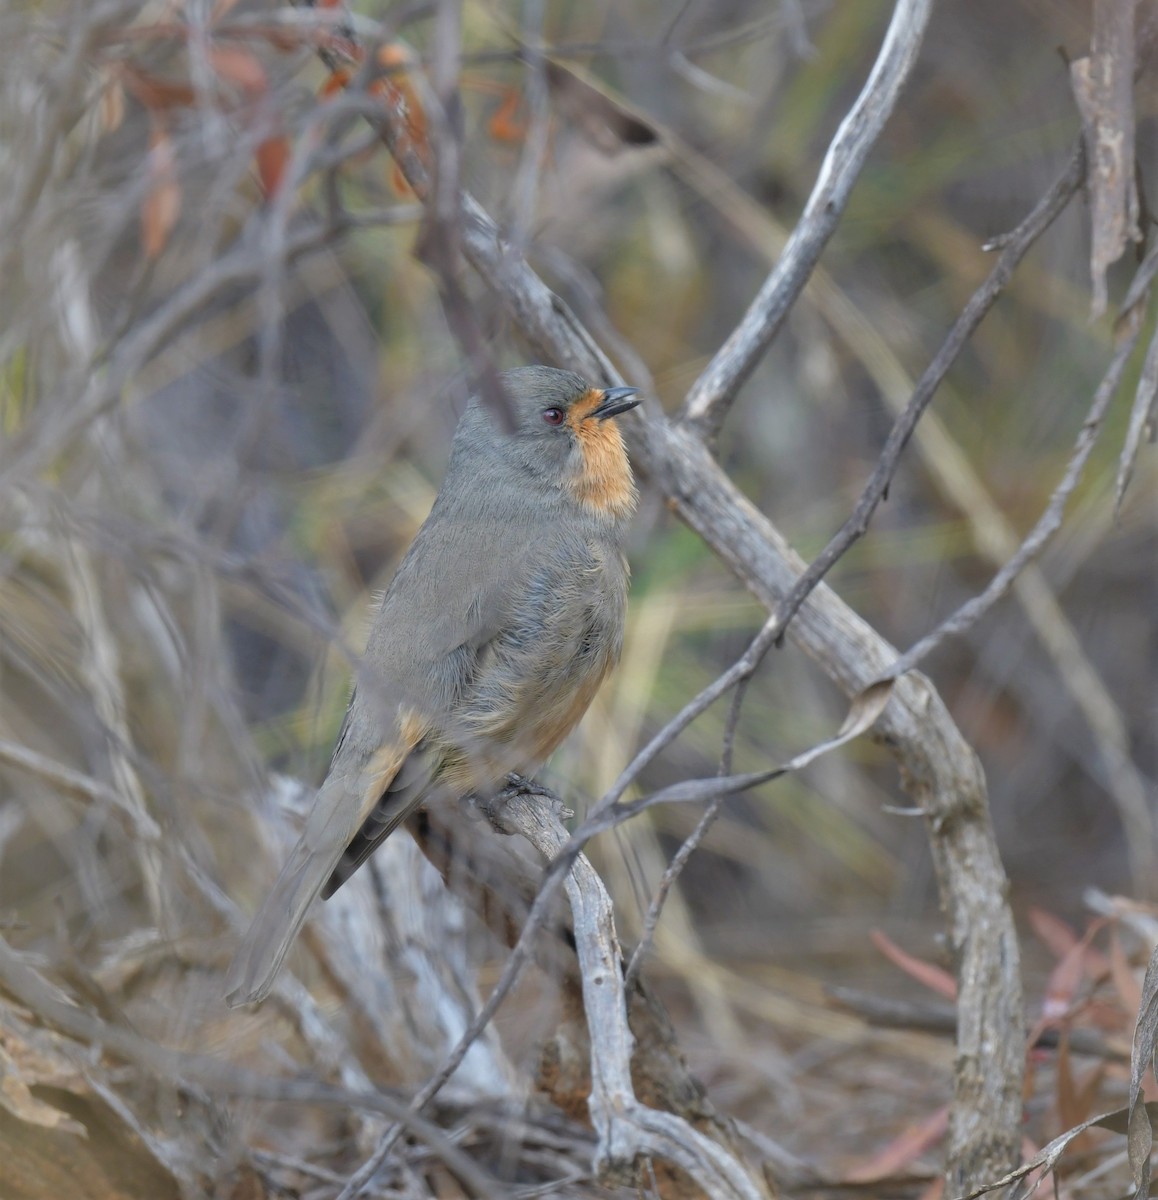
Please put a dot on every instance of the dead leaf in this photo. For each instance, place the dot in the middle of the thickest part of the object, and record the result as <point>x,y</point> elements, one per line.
<point>272,157</point>
<point>1074,1100</point>
<point>335,82</point>
<point>1059,938</point>
<point>936,979</point>
<point>608,124</point>
<point>399,94</point>
<point>154,93</point>
<point>900,1153</point>
<point>507,124</point>
<point>112,104</point>
<point>162,204</point>
<point>241,67</point>
<point>1062,985</point>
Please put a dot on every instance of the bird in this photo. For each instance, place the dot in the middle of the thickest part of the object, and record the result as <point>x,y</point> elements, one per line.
<point>501,621</point>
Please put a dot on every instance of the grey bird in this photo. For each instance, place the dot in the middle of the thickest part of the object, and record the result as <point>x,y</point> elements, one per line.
<point>501,622</point>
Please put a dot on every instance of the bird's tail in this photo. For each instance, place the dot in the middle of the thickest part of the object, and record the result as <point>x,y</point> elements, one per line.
<point>265,945</point>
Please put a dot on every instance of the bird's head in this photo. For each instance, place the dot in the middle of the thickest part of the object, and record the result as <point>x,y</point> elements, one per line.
<point>565,434</point>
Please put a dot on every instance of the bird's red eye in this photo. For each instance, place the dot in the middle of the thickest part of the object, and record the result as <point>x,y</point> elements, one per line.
<point>553,416</point>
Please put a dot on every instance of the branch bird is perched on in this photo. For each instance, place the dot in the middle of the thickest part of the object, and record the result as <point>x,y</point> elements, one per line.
<point>501,622</point>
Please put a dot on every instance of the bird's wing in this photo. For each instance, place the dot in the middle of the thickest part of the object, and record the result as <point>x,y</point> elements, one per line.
<point>448,599</point>
<point>349,792</point>
<point>407,788</point>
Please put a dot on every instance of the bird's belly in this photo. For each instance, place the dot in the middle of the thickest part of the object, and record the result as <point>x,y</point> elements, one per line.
<point>530,693</point>
<point>549,723</point>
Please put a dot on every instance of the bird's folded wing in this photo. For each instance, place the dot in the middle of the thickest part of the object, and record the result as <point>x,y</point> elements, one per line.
<point>407,788</point>
<point>450,596</point>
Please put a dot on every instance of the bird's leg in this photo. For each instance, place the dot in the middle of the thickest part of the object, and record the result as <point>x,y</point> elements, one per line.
<point>522,785</point>
<point>493,806</point>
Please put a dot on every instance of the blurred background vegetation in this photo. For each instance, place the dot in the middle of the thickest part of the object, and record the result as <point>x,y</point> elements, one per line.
<point>184,578</point>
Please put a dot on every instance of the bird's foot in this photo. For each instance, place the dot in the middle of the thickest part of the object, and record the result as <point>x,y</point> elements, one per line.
<point>519,786</point>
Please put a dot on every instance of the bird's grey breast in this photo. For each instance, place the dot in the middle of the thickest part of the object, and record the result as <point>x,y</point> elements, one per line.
<point>573,606</point>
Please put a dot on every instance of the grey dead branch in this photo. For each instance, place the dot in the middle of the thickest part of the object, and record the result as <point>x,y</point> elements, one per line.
<point>1103,85</point>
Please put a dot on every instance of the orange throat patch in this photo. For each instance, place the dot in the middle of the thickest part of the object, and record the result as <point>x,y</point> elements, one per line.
<point>604,485</point>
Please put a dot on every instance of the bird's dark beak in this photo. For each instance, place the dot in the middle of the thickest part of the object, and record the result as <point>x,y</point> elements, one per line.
<point>616,401</point>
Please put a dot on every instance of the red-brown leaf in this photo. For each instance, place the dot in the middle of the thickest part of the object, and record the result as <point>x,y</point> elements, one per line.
<point>935,1190</point>
<point>272,157</point>
<point>1058,937</point>
<point>1063,981</point>
<point>162,204</point>
<point>156,94</point>
<point>336,82</point>
<point>936,979</point>
<point>1067,1104</point>
<point>397,92</point>
<point>901,1151</point>
<point>507,124</point>
<point>1075,1101</point>
<point>239,66</point>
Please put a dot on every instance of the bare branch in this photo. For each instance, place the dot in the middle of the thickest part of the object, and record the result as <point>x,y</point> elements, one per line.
<point>1047,525</point>
<point>1014,247</point>
<point>713,393</point>
<point>681,857</point>
<point>1143,419</point>
<point>1103,85</point>
<point>674,869</point>
<point>627,1129</point>
<point>929,1016</point>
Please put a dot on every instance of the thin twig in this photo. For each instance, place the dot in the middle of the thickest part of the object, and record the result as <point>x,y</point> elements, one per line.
<point>1014,248</point>
<point>712,394</point>
<point>81,786</point>
<point>680,859</point>
<point>1143,416</point>
<point>1047,524</point>
<point>627,1130</point>
<point>888,1012</point>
